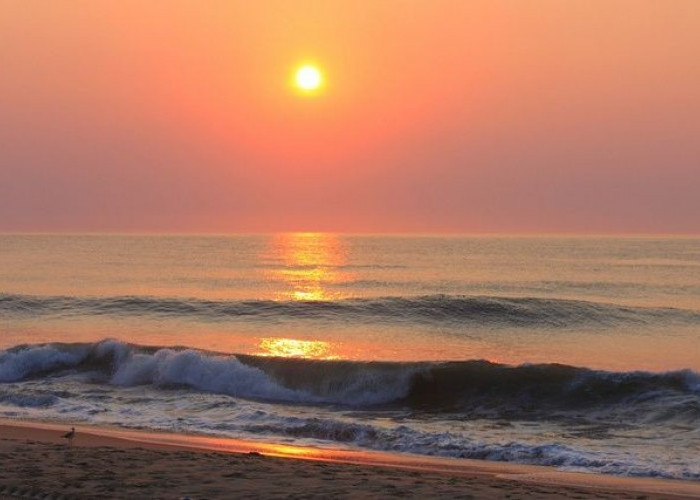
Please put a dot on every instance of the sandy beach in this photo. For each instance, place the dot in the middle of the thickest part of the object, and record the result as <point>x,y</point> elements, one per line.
<point>112,463</point>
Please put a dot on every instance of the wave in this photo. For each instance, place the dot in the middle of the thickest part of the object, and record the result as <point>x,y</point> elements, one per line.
<point>450,309</point>
<point>464,389</point>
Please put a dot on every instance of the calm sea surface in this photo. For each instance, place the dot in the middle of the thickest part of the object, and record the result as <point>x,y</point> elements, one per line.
<point>582,353</point>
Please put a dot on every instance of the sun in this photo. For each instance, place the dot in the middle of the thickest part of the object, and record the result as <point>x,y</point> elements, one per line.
<point>308,78</point>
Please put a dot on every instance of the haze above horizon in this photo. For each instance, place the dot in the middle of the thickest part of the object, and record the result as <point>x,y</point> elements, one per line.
<point>414,117</point>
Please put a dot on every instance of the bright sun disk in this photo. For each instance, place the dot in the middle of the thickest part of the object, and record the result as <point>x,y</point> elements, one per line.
<point>308,78</point>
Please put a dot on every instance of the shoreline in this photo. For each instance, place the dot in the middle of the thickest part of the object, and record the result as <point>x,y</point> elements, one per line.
<point>41,445</point>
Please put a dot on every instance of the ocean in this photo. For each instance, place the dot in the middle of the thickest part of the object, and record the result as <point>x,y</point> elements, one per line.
<point>577,352</point>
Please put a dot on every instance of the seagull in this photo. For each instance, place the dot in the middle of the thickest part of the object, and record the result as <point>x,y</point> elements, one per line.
<point>69,436</point>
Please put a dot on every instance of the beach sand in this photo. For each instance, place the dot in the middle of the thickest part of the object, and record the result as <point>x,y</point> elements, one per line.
<point>35,462</point>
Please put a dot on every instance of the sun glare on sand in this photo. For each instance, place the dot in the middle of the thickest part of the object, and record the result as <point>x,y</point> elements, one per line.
<point>308,78</point>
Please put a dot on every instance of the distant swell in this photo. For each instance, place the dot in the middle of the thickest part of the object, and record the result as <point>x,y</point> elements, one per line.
<point>468,389</point>
<point>441,309</point>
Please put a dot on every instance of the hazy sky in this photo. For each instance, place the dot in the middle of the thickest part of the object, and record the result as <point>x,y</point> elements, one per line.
<point>466,116</point>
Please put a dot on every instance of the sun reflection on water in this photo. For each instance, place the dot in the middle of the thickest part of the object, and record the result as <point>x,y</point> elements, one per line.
<point>295,348</point>
<point>306,265</point>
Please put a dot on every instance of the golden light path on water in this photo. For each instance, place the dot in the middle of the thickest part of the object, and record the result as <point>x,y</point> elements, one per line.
<point>307,263</point>
<point>308,267</point>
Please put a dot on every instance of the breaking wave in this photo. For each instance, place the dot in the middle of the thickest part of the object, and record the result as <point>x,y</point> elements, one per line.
<point>467,389</point>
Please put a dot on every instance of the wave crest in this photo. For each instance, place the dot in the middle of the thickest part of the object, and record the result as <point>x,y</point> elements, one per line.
<point>467,389</point>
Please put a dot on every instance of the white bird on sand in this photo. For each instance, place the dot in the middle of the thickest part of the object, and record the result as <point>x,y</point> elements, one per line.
<point>69,436</point>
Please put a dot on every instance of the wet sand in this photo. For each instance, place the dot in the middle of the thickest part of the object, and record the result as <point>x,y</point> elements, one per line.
<point>113,463</point>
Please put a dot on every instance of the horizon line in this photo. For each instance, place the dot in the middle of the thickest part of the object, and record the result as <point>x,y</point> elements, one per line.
<point>593,234</point>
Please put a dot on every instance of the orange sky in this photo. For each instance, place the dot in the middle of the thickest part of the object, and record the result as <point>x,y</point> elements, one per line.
<point>464,116</point>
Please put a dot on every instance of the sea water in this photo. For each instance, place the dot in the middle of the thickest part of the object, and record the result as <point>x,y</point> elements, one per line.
<point>579,352</point>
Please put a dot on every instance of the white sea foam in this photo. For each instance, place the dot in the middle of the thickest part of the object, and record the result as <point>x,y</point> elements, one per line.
<point>23,362</point>
<point>193,369</point>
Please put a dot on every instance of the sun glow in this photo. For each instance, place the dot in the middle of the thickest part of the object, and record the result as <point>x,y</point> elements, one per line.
<point>308,78</point>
